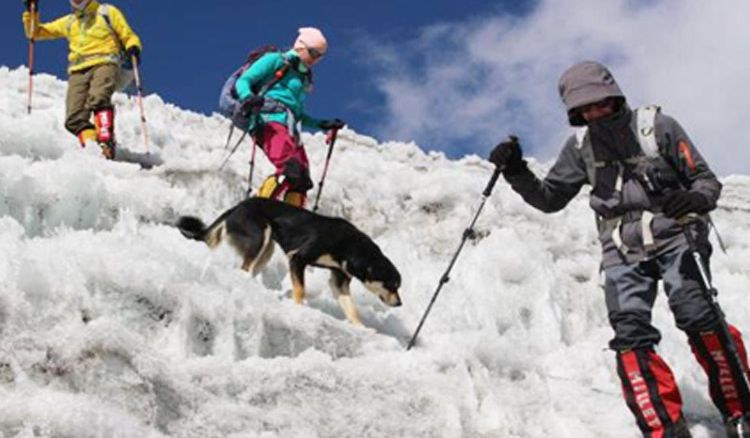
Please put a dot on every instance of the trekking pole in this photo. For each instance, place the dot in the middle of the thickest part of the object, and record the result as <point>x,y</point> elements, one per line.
<point>255,124</point>
<point>252,167</point>
<point>234,149</point>
<point>710,294</point>
<point>32,31</point>
<point>469,232</point>
<point>229,137</point>
<point>139,87</point>
<point>718,236</point>
<point>331,140</point>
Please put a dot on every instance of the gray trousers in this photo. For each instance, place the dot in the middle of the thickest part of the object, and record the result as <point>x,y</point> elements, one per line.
<point>631,289</point>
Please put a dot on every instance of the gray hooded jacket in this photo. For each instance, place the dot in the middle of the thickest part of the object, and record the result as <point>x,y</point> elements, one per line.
<point>629,188</point>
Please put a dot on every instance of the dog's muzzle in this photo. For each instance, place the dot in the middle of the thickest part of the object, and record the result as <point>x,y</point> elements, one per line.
<point>392,299</point>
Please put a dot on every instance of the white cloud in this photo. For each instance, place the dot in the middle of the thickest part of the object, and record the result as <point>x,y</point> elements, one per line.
<point>463,86</point>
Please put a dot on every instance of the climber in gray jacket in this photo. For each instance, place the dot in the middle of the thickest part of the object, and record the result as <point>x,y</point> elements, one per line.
<point>646,176</point>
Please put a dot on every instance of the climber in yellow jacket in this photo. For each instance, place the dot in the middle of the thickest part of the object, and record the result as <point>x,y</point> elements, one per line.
<point>100,42</point>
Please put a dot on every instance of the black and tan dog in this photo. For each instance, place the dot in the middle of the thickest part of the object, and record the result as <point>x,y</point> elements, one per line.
<point>308,239</point>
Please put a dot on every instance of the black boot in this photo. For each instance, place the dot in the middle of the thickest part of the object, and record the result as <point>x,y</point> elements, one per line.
<point>108,150</point>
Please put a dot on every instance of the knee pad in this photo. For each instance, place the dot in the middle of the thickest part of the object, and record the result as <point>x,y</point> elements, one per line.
<point>297,176</point>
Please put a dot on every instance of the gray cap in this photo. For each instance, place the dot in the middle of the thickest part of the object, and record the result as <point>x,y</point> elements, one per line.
<point>584,83</point>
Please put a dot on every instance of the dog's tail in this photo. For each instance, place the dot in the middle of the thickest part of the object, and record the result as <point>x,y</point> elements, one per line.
<point>194,228</point>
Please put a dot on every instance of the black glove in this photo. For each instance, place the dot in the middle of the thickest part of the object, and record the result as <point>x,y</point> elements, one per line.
<point>252,105</point>
<point>27,4</point>
<point>331,124</point>
<point>508,156</point>
<point>132,52</point>
<point>682,202</point>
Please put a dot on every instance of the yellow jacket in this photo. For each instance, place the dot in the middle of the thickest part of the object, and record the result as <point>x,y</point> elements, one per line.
<point>90,40</point>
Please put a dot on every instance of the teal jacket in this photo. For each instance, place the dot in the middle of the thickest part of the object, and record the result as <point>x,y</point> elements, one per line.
<point>291,90</point>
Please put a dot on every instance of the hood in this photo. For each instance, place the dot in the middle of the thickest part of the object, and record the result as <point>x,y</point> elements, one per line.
<point>584,83</point>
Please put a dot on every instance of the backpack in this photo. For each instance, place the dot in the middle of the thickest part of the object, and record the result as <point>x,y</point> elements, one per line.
<point>125,75</point>
<point>229,103</point>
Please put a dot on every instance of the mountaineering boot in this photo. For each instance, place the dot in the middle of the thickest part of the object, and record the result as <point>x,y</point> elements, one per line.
<point>108,150</point>
<point>270,188</point>
<point>296,199</point>
<point>87,137</point>
<point>104,119</point>
<point>738,427</point>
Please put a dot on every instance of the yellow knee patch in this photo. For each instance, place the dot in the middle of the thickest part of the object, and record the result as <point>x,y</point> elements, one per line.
<point>295,198</point>
<point>269,187</point>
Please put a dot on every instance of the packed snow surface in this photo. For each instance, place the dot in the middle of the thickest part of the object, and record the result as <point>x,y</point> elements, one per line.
<point>114,325</point>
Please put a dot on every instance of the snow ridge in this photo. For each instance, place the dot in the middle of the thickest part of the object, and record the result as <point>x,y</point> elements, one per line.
<point>112,324</point>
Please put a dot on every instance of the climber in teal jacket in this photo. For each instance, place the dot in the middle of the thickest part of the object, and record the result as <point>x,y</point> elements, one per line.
<point>276,86</point>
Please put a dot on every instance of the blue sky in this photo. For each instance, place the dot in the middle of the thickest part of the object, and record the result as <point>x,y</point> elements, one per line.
<point>449,75</point>
<point>190,47</point>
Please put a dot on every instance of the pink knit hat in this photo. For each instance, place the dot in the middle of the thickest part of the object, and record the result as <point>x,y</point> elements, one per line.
<point>311,37</point>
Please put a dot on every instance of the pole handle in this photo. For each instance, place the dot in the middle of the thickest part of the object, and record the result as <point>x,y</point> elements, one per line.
<point>493,180</point>
<point>33,9</point>
<point>331,137</point>
<point>137,73</point>
<point>512,138</point>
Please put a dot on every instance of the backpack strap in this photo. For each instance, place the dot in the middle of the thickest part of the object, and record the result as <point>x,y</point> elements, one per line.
<point>581,136</point>
<point>646,121</point>
<point>103,12</point>
<point>69,26</point>
<point>587,154</point>
<point>277,76</point>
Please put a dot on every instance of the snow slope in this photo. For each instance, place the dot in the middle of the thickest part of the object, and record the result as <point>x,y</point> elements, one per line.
<point>114,325</point>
